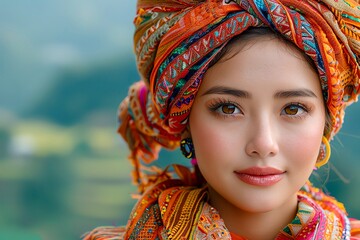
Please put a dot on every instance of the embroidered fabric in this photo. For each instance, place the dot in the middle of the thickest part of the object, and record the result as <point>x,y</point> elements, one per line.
<point>171,210</point>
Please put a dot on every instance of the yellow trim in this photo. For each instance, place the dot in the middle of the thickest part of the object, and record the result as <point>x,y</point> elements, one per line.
<point>322,162</point>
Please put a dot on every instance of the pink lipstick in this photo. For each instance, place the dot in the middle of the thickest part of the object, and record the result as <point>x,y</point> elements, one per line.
<point>260,176</point>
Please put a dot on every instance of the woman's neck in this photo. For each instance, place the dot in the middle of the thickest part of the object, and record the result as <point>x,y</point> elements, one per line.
<point>258,225</point>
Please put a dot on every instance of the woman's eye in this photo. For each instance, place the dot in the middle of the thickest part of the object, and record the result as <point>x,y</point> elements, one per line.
<point>228,109</point>
<point>294,110</point>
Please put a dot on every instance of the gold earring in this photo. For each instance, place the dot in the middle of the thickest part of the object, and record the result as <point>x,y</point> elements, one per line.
<point>324,153</point>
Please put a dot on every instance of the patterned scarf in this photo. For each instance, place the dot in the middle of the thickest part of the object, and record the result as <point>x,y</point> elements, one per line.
<point>176,39</point>
<point>172,210</point>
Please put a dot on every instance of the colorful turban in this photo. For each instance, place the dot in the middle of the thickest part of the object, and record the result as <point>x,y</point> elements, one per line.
<point>175,40</point>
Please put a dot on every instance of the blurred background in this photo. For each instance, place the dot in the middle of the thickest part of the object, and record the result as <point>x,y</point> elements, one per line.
<point>64,68</point>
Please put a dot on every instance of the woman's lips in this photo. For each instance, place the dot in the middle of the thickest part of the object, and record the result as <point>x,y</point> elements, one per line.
<point>260,176</point>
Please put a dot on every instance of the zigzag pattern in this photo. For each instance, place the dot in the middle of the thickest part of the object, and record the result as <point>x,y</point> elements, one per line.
<point>311,48</point>
<point>279,18</point>
<point>304,214</point>
<point>147,45</point>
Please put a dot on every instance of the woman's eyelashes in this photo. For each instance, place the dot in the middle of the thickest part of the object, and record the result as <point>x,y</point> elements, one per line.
<point>227,108</point>
<point>295,110</point>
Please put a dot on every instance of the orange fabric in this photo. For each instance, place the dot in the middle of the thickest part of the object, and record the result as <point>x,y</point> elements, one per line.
<point>171,210</point>
<point>355,229</point>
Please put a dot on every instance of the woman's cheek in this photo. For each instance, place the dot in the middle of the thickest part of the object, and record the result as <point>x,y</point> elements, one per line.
<point>304,146</point>
<point>215,141</point>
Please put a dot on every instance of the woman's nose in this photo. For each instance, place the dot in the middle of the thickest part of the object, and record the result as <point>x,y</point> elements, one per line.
<point>261,140</point>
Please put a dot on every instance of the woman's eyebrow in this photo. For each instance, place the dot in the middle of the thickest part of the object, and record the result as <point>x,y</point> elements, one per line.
<point>295,93</point>
<point>227,91</point>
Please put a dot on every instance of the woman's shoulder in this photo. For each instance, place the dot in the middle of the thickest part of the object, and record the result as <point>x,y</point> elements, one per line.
<point>165,206</point>
<point>145,217</point>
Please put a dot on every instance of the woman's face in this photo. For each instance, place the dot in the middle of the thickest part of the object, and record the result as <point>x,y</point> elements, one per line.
<point>256,124</point>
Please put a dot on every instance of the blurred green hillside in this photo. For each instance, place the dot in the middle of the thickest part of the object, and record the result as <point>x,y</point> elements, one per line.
<point>59,182</point>
<point>86,93</point>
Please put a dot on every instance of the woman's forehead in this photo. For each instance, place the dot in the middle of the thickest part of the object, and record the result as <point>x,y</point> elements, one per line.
<point>265,62</point>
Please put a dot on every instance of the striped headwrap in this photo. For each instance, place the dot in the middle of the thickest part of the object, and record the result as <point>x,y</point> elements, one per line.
<point>175,40</point>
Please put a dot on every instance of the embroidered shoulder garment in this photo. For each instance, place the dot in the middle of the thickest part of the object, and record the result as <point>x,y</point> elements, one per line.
<point>170,210</point>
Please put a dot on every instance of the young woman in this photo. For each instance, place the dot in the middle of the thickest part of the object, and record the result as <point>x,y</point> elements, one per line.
<point>252,91</point>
